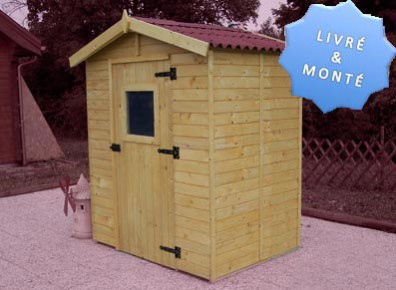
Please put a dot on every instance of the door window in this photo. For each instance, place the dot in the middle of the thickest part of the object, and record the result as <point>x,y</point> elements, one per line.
<point>140,110</point>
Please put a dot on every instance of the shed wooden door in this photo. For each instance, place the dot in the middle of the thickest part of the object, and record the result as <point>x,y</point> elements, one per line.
<point>145,185</point>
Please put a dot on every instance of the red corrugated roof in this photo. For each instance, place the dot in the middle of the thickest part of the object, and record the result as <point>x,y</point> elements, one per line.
<point>220,36</point>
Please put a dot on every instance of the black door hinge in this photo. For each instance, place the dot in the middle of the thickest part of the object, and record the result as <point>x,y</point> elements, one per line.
<point>115,147</point>
<point>176,251</point>
<point>175,152</point>
<point>171,74</point>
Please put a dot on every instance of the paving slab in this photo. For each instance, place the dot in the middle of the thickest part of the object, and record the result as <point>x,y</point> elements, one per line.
<point>37,252</point>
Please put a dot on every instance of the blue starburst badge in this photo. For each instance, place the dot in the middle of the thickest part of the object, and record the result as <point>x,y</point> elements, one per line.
<point>337,56</point>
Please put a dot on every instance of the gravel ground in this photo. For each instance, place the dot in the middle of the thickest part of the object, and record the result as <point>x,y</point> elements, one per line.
<point>37,252</point>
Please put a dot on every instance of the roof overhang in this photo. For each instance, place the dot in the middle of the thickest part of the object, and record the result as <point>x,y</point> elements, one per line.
<point>128,24</point>
<point>19,35</point>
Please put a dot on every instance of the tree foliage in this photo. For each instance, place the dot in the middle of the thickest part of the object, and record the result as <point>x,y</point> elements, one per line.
<point>268,28</point>
<point>293,10</point>
<point>379,109</point>
<point>64,26</point>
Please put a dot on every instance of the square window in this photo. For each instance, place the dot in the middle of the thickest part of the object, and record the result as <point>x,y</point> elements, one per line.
<point>140,106</point>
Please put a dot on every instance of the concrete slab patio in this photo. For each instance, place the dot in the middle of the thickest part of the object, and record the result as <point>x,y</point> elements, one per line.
<point>37,252</point>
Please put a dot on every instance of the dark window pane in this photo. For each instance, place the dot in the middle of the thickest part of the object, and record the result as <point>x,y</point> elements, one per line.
<point>140,113</point>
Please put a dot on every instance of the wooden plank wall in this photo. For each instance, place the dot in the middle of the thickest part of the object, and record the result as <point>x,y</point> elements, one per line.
<point>257,191</point>
<point>236,154</point>
<point>102,173</point>
<point>191,134</point>
<point>100,156</point>
<point>281,171</point>
<point>190,131</point>
<point>255,211</point>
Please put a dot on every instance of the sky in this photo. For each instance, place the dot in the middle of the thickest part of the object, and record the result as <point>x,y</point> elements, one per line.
<point>264,12</point>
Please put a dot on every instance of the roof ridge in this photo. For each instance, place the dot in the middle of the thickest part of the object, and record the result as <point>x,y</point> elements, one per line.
<point>268,37</point>
<point>190,24</point>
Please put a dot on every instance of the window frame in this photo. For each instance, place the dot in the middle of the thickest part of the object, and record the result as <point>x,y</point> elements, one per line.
<point>124,111</point>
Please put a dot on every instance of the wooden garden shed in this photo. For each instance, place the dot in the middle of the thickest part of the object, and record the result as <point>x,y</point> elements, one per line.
<point>194,145</point>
